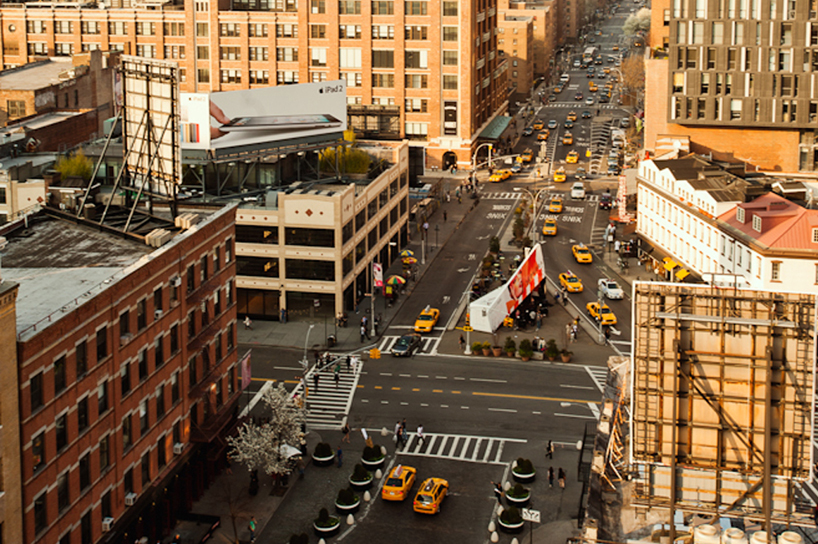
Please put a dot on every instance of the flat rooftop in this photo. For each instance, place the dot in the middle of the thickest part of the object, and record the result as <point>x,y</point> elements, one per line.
<point>41,121</point>
<point>35,75</point>
<point>57,262</point>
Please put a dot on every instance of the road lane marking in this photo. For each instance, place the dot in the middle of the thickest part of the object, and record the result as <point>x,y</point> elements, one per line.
<point>287,368</point>
<point>384,402</point>
<point>444,405</point>
<point>576,416</point>
<point>405,375</point>
<point>509,410</point>
<point>535,413</point>
<point>459,378</point>
<point>594,409</point>
<point>415,390</point>
<point>487,380</point>
<point>404,404</point>
<point>441,378</point>
<point>525,397</point>
<point>364,400</point>
<point>455,392</point>
<point>422,376</point>
<point>378,387</point>
<point>437,390</point>
<point>577,386</point>
<point>464,407</point>
<point>465,447</point>
<point>385,373</point>
<point>424,404</point>
<point>396,389</point>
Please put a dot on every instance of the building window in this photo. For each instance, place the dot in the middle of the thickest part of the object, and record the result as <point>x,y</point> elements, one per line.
<point>104,453</point>
<point>383,7</point>
<point>230,53</point>
<point>145,29</point>
<point>230,30</point>
<point>36,391</point>
<point>63,497</point>
<point>203,75</point>
<point>118,28</point>
<point>231,76</point>
<point>757,223</point>
<point>318,31</point>
<point>146,470</point>
<point>81,359</point>
<point>285,30</point>
<point>261,53</point>
<point>127,436</point>
<point>418,105</point>
<point>304,269</point>
<point>40,513</point>
<point>174,339</point>
<point>416,81</point>
<point>230,337</point>
<point>416,8</point>
<point>450,9</point>
<point>450,82</point>
<point>125,379</point>
<point>173,29</point>
<point>161,451</point>
<point>257,30</point>
<point>775,271</point>
<point>353,79</point>
<point>61,431</point>
<point>85,471</point>
<point>63,49</point>
<point>38,452</point>
<point>318,56</point>
<point>383,59</point>
<point>383,32</point>
<point>143,417</point>
<point>160,401</point>
<point>416,32</point>
<point>450,58</point>
<point>174,388</point>
<point>416,59</point>
<point>141,314</point>
<point>102,398</point>
<point>349,7</point>
<point>142,365</point>
<point>450,33</point>
<point>740,214</point>
<point>16,108</point>
<point>63,27</point>
<point>35,27</point>
<point>159,352</point>
<point>146,51</point>
<point>318,6</point>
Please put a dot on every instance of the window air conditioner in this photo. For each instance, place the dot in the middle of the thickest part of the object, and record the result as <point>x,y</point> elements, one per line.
<point>177,448</point>
<point>177,282</point>
<point>157,314</point>
<point>107,523</point>
<point>130,499</point>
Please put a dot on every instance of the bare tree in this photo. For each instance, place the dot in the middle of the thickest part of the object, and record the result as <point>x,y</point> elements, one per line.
<point>633,74</point>
<point>636,22</point>
<point>266,446</point>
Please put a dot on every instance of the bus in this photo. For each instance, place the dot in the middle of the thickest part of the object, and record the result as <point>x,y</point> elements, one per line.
<point>590,53</point>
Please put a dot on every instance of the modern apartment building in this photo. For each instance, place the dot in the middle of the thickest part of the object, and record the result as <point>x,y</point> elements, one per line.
<point>425,70</point>
<point>738,78</point>
<point>699,218</point>
<point>126,372</point>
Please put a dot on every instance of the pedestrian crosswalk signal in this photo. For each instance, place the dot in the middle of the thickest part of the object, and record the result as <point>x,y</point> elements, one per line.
<point>468,323</point>
<point>374,353</point>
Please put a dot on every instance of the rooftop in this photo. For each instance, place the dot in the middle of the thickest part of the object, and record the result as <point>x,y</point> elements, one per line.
<point>57,262</point>
<point>785,225</point>
<point>40,121</point>
<point>717,179</point>
<point>35,75</point>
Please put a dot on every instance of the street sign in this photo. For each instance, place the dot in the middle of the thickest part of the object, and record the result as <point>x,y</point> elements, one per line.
<point>531,515</point>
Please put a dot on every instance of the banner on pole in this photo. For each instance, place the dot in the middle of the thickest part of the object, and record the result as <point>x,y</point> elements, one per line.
<point>377,270</point>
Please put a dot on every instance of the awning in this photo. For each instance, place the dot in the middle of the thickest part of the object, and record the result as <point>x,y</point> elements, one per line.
<point>670,264</point>
<point>495,128</point>
<point>682,274</point>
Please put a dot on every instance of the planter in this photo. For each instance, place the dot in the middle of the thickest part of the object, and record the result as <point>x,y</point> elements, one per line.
<point>486,352</point>
<point>511,353</point>
<point>327,531</point>
<point>525,358</point>
<point>345,509</point>
<point>372,464</point>
<point>519,501</point>
<point>362,484</point>
<point>322,461</point>
<point>523,478</point>
<point>510,527</point>
<point>566,358</point>
<point>497,351</point>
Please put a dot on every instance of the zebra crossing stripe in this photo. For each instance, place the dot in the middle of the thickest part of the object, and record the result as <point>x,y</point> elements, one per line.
<point>598,375</point>
<point>471,449</point>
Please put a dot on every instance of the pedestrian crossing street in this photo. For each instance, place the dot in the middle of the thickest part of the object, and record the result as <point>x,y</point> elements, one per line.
<point>428,345</point>
<point>515,196</point>
<point>329,404</point>
<point>458,447</point>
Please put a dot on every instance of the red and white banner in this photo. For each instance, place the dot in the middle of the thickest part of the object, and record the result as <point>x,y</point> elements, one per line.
<point>377,272</point>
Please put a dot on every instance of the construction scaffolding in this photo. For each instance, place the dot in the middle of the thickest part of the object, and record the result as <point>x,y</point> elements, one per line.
<point>722,397</point>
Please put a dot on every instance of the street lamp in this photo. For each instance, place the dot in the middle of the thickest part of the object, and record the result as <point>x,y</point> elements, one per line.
<point>474,156</point>
<point>535,198</point>
<point>304,362</point>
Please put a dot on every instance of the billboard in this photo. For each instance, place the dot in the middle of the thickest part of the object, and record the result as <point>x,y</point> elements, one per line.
<point>487,312</point>
<point>236,119</point>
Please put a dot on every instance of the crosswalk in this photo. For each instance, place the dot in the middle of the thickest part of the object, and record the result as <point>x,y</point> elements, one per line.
<point>500,196</point>
<point>458,447</point>
<point>580,104</point>
<point>599,375</point>
<point>428,344</point>
<point>329,404</point>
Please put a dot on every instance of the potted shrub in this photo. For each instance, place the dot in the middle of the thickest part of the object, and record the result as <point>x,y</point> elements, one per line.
<point>477,348</point>
<point>486,347</point>
<point>526,351</point>
<point>322,455</point>
<point>510,520</point>
<point>551,351</point>
<point>372,457</point>
<point>566,355</point>
<point>347,501</point>
<point>361,478</point>
<point>523,470</point>
<point>494,245</point>
<point>510,347</point>
<point>518,495</point>
<point>326,525</point>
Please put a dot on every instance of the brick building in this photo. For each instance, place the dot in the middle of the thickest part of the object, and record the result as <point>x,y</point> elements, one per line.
<point>425,70</point>
<point>81,83</point>
<point>126,362</point>
<point>724,73</point>
<point>546,33</point>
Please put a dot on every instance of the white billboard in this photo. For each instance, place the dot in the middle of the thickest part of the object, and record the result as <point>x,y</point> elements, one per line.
<point>232,119</point>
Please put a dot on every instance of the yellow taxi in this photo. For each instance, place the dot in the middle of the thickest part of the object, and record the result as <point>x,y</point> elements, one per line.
<point>615,48</point>
<point>527,156</point>
<point>571,283</point>
<point>582,254</point>
<point>398,483</point>
<point>500,175</point>
<point>430,496</point>
<point>607,70</point>
<point>567,138</point>
<point>427,319</point>
<point>602,314</point>
<point>549,228</point>
<point>572,157</point>
<point>572,116</point>
<point>593,87</point>
<point>543,135</point>
<point>559,175</point>
<point>538,124</point>
<point>556,205</point>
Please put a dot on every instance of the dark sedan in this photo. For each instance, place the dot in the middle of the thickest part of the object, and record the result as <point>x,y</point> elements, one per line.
<point>406,345</point>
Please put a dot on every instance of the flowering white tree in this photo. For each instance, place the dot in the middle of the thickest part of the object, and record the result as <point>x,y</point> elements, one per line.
<point>265,446</point>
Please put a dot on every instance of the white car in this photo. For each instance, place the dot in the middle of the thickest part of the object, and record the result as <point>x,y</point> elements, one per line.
<point>610,289</point>
<point>578,191</point>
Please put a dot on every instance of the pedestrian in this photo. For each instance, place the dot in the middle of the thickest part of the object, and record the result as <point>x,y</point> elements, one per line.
<point>397,431</point>
<point>354,365</point>
<point>607,332</point>
<point>247,323</point>
<point>448,197</point>
<point>498,492</point>
<point>301,466</point>
<point>340,456</point>
<point>617,245</point>
<point>400,438</point>
<point>561,478</point>
<point>315,381</point>
<point>462,342</point>
<point>564,294</point>
<point>364,321</point>
<point>421,440</point>
<point>348,360</point>
<point>363,334</point>
<point>403,424</point>
<point>252,527</point>
<point>445,216</point>
<point>539,320</point>
<point>550,477</point>
<point>549,450</point>
<point>574,332</point>
<point>337,377</point>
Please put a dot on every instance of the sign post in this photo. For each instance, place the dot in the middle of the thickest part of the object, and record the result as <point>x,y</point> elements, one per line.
<point>532,516</point>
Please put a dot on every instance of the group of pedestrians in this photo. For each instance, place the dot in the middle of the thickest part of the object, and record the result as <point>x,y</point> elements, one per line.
<point>401,436</point>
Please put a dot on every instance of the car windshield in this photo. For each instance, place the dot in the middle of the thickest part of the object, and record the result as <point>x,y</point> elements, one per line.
<point>425,317</point>
<point>572,279</point>
<point>394,482</point>
<point>424,499</point>
<point>582,250</point>
<point>555,202</point>
<point>402,342</point>
<point>604,310</point>
<point>612,286</point>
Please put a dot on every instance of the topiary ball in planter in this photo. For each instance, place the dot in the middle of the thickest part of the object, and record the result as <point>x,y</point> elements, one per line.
<point>372,457</point>
<point>347,501</point>
<point>518,494</point>
<point>361,478</point>
<point>326,525</point>
<point>523,471</point>
<point>322,455</point>
<point>510,520</point>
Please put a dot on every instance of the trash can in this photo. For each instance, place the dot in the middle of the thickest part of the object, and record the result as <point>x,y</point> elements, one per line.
<point>331,341</point>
